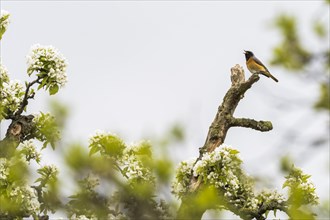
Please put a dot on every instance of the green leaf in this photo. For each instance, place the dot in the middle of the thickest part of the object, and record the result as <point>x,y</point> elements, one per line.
<point>113,145</point>
<point>43,83</point>
<point>52,144</point>
<point>44,145</point>
<point>234,151</point>
<point>53,89</point>
<point>94,149</point>
<point>324,97</point>
<point>2,20</point>
<point>38,180</point>
<point>2,31</point>
<point>275,210</point>
<point>46,129</point>
<point>285,184</point>
<point>266,213</point>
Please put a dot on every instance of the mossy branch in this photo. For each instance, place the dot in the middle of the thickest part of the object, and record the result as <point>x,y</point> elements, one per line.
<point>251,123</point>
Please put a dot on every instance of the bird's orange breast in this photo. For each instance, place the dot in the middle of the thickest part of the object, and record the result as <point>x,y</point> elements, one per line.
<point>254,67</point>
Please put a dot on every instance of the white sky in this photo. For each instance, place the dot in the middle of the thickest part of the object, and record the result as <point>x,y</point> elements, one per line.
<point>135,67</point>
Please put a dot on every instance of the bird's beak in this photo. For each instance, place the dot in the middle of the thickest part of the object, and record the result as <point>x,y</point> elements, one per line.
<point>244,51</point>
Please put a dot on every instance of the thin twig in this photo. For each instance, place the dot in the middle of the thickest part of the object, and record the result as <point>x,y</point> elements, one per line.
<point>27,96</point>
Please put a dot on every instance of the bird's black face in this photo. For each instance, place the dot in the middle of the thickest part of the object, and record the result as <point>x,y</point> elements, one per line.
<point>248,54</point>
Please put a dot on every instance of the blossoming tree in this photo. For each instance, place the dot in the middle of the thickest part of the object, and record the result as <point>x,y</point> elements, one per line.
<point>117,180</point>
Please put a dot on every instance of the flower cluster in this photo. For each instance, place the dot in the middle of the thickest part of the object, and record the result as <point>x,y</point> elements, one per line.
<point>222,162</point>
<point>220,168</point>
<point>4,78</point>
<point>90,182</point>
<point>135,162</point>
<point>4,171</point>
<point>267,197</point>
<point>4,22</point>
<point>50,66</point>
<point>183,173</point>
<point>49,171</point>
<point>301,189</point>
<point>4,18</point>
<point>119,216</point>
<point>26,198</point>
<point>29,150</point>
<point>11,96</point>
<point>82,217</point>
<point>133,159</point>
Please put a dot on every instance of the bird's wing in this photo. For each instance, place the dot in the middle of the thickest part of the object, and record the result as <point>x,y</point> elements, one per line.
<point>260,63</point>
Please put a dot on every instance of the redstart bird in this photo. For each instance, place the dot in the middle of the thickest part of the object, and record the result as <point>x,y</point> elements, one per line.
<point>255,65</point>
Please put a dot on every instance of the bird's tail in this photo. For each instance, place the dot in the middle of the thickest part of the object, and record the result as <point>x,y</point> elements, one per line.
<point>269,75</point>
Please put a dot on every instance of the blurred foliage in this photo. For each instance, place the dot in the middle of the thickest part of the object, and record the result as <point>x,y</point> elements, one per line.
<point>290,53</point>
<point>320,29</point>
<point>301,194</point>
<point>116,180</point>
<point>128,173</point>
<point>294,54</point>
<point>323,102</point>
<point>87,201</point>
<point>106,144</point>
<point>302,191</point>
<point>47,190</point>
<point>296,57</point>
<point>175,134</point>
<point>60,112</point>
<point>286,164</point>
<point>46,129</point>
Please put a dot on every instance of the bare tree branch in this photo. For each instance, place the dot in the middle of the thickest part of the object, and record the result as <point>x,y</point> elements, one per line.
<point>251,123</point>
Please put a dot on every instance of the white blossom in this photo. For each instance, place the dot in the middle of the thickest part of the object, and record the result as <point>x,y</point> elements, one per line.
<point>30,151</point>
<point>4,19</point>
<point>52,169</point>
<point>118,216</point>
<point>4,76</point>
<point>4,170</point>
<point>99,134</point>
<point>298,181</point>
<point>137,146</point>
<point>220,168</point>
<point>228,194</point>
<point>92,181</point>
<point>48,62</point>
<point>182,180</point>
<point>11,95</point>
<point>82,217</point>
<point>132,163</point>
<point>134,168</point>
<point>27,198</point>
